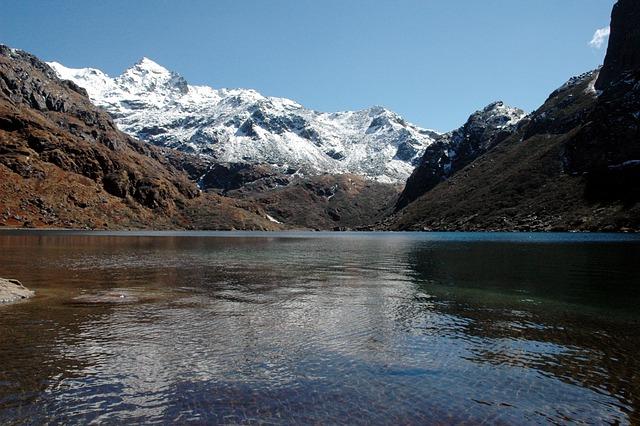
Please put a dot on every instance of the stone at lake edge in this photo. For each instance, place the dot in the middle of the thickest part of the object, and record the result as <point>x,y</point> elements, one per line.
<point>13,290</point>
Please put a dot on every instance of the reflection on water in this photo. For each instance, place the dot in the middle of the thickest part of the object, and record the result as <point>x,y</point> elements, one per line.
<point>303,328</point>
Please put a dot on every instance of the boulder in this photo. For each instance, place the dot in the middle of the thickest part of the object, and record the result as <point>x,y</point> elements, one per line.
<point>13,290</point>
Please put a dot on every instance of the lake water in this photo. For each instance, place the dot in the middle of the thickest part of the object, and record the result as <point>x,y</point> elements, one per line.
<point>298,328</point>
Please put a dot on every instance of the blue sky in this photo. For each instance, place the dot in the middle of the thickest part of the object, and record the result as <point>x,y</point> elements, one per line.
<point>432,61</point>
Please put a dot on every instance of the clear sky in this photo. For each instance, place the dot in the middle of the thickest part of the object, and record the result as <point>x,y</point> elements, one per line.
<point>432,61</point>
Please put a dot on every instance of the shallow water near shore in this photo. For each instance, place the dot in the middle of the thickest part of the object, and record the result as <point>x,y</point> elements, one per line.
<point>290,328</point>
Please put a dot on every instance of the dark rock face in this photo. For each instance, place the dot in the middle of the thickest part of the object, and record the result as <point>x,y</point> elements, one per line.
<point>223,177</point>
<point>405,152</point>
<point>611,135</point>
<point>606,150</point>
<point>335,154</point>
<point>623,52</point>
<point>179,83</point>
<point>454,150</point>
<point>408,147</point>
<point>276,124</point>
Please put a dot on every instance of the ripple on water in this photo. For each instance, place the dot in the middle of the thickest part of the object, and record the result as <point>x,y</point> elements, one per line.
<point>318,330</point>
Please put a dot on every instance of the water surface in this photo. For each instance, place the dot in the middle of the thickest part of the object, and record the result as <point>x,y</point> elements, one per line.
<point>353,328</point>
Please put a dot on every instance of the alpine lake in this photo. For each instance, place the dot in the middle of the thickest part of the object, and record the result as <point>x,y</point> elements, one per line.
<point>321,328</point>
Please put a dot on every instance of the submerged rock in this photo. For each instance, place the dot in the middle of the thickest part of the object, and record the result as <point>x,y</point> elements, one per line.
<point>117,296</point>
<point>13,290</point>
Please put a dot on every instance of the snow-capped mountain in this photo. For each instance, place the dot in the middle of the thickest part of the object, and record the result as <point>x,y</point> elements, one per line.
<point>240,125</point>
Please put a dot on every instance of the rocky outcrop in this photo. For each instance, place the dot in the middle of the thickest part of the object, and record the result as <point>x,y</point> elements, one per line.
<point>224,177</point>
<point>454,150</point>
<point>13,290</point>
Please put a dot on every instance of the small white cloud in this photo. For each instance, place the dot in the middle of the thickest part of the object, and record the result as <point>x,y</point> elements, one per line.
<point>600,37</point>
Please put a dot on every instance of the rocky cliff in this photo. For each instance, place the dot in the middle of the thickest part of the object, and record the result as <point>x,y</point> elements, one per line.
<point>624,42</point>
<point>606,150</point>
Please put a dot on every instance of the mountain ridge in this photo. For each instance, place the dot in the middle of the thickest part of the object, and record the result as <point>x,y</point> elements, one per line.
<point>453,150</point>
<point>240,125</point>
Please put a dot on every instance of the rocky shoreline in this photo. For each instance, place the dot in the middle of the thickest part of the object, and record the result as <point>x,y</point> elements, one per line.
<point>13,291</point>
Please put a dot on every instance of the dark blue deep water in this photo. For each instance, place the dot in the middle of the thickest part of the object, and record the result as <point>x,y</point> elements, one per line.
<point>297,328</point>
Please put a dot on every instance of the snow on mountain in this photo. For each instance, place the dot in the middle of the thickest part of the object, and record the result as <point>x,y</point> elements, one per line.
<point>241,125</point>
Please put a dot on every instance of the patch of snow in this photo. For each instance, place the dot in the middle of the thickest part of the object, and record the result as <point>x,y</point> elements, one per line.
<point>591,87</point>
<point>591,76</point>
<point>272,219</point>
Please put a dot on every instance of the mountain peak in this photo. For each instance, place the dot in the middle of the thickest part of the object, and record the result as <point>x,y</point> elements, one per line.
<point>146,64</point>
<point>379,110</point>
<point>494,105</point>
<point>147,75</point>
<point>497,114</point>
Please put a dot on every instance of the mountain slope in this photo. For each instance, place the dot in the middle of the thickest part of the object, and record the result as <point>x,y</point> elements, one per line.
<point>63,163</point>
<point>330,202</point>
<point>519,184</point>
<point>242,126</point>
<point>454,150</point>
<point>573,164</point>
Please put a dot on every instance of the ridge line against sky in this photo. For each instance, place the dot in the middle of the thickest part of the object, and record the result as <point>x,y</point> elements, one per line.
<point>432,61</point>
